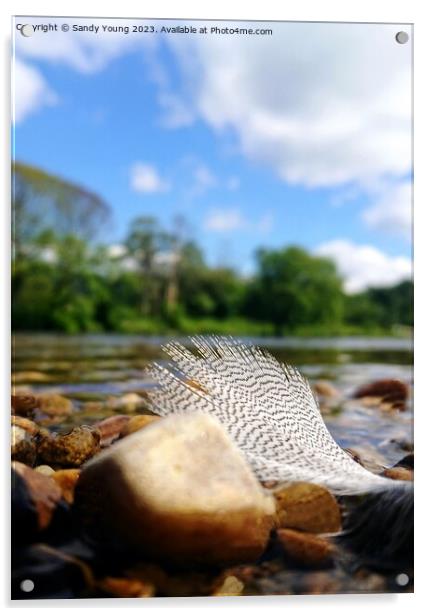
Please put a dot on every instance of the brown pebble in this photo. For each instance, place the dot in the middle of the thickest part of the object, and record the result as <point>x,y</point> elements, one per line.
<point>43,492</point>
<point>305,548</point>
<point>68,450</point>
<point>308,507</point>
<point>54,405</point>
<point>111,427</point>
<point>23,447</point>
<point>66,480</point>
<point>230,587</point>
<point>44,469</point>
<point>137,422</point>
<point>26,424</point>
<point>387,390</point>
<point>326,389</point>
<point>24,405</point>
<point>125,588</point>
<point>399,472</point>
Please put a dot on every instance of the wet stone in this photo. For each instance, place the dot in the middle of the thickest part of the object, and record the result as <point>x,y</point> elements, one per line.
<point>137,422</point>
<point>35,498</point>
<point>44,469</point>
<point>178,491</point>
<point>54,405</point>
<point>66,480</point>
<point>125,588</point>
<point>111,428</point>
<point>305,548</point>
<point>391,391</point>
<point>26,424</point>
<point>326,389</point>
<point>230,587</point>
<point>23,447</point>
<point>24,405</point>
<point>308,507</point>
<point>69,450</point>
<point>127,403</point>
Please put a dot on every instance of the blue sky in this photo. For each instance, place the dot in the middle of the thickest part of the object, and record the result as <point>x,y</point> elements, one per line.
<point>299,138</point>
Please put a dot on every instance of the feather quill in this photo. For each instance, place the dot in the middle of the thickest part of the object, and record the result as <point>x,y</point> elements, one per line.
<point>267,407</point>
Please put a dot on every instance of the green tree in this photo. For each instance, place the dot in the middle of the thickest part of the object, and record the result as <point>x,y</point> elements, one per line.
<point>293,288</point>
<point>41,201</point>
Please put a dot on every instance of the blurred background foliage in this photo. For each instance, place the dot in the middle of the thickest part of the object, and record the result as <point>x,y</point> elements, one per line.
<point>157,281</point>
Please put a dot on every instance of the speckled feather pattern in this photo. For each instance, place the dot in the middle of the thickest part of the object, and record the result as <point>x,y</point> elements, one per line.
<point>268,408</point>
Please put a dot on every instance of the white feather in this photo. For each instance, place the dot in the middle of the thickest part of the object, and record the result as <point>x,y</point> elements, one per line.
<point>268,409</point>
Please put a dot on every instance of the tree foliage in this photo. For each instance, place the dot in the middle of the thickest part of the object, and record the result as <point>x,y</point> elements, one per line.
<point>159,281</point>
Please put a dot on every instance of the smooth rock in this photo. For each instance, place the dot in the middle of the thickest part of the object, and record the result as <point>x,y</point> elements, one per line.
<point>68,450</point>
<point>24,405</point>
<point>66,480</point>
<point>54,405</point>
<point>326,389</point>
<point>23,447</point>
<point>125,588</point>
<point>137,422</point>
<point>308,507</point>
<point>128,403</point>
<point>390,391</point>
<point>305,548</point>
<point>111,427</point>
<point>230,587</point>
<point>179,491</point>
<point>44,469</point>
<point>35,499</point>
<point>26,424</point>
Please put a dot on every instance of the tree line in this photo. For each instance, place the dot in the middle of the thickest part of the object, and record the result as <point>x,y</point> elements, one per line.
<point>158,281</point>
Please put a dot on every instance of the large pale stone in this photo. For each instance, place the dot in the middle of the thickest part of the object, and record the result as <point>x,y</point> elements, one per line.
<point>179,490</point>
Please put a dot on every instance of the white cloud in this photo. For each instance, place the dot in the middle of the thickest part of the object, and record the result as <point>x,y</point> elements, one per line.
<point>145,178</point>
<point>31,92</point>
<point>85,52</point>
<point>224,220</point>
<point>391,212</point>
<point>364,266</point>
<point>321,104</point>
<point>227,220</point>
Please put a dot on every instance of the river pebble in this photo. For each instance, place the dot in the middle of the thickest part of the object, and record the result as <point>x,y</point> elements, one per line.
<point>68,450</point>
<point>137,422</point>
<point>54,405</point>
<point>23,447</point>
<point>24,405</point>
<point>308,507</point>
<point>392,392</point>
<point>110,428</point>
<point>180,491</point>
<point>66,479</point>
<point>35,498</point>
<point>305,548</point>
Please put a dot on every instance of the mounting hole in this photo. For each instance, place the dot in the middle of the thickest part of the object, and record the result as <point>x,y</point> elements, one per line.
<point>402,579</point>
<point>27,30</point>
<point>402,37</point>
<point>27,585</point>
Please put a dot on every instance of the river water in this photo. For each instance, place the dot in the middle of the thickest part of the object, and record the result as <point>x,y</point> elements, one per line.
<point>95,370</point>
